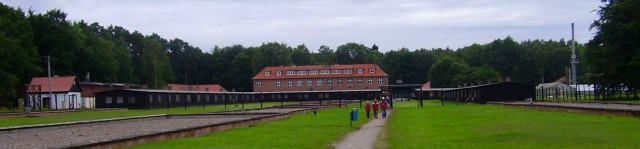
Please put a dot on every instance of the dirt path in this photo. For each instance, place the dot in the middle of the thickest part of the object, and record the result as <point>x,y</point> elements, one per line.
<point>366,137</point>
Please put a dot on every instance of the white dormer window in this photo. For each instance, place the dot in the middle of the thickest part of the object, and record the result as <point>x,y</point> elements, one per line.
<point>302,72</point>
<point>267,73</point>
<point>347,71</point>
<point>360,70</point>
<point>335,71</point>
<point>278,73</point>
<point>372,70</point>
<point>313,72</point>
<point>291,72</point>
<point>324,71</point>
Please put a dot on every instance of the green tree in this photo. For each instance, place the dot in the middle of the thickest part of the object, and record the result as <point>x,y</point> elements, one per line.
<point>325,56</point>
<point>301,56</point>
<point>478,75</point>
<point>615,50</point>
<point>54,37</point>
<point>445,70</point>
<point>19,58</point>
<point>351,53</point>
<point>156,65</point>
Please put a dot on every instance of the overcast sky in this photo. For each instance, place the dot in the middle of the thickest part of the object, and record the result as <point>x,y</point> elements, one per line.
<point>390,24</point>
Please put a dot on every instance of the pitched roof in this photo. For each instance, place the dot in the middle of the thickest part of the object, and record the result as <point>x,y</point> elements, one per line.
<point>426,86</point>
<point>354,67</point>
<point>204,87</point>
<point>58,84</point>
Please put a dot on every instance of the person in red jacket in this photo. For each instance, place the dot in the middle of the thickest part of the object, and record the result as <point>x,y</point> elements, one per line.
<point>383,106</point>
<point>367,108</point>
<point>375,108</point>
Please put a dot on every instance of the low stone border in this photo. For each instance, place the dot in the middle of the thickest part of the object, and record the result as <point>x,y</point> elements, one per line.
<point>588,110</point>
<point>253,116</point>
<point>54,112</point>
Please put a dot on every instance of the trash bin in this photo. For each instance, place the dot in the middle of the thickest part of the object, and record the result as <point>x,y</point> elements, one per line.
<point>354,114</point>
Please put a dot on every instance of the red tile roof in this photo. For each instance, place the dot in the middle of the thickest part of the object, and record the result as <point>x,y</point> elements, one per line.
<point>205,87</point>
<point>58,84</point>
<point>426,85</point>
<point>273,69</point>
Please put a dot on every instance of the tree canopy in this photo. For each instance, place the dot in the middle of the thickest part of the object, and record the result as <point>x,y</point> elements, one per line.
<point>115,54</point>
<point>614,51</point>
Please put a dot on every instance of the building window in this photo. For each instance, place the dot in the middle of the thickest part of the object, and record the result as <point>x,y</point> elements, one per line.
<point>325,71</point>
<point>119,99</point>
<point>108,99</point>
<point>132,99</point>
<point>177,98</point>
<point>329,82</point>
<point>300,83</point>
<point>290,83</point>
<point>302,72</point>
<point>258,83</point>
<point>380,81</point>
<point>372,70</point>
<point>291,72</point>
<point>278,82</point>
<point>309,82</point>
<point>335,71</point>
<point>347,71</point>
<point>267,73</point>
<point>360,70</point>
<point>339,82</point>
<point>370,81</point>
<point>319,82</point>
<point>359,81</point>
<point>350,81</point>
<point>278,73</point>
<point>313,72</point>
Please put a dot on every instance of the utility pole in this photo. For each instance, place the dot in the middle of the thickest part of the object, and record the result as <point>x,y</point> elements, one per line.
<point>49,79</point>
<point>574,59</point>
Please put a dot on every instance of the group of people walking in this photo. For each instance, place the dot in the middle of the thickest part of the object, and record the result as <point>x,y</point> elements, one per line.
<point>383,105</point>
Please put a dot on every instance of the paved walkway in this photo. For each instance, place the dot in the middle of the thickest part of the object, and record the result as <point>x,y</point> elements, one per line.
<point>366,137</point>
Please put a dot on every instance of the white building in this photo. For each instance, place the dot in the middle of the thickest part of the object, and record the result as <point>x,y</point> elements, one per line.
<point>65,93</point>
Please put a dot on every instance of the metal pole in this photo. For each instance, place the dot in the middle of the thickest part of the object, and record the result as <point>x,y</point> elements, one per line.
<point>49,79</point>
<point>574,58</point>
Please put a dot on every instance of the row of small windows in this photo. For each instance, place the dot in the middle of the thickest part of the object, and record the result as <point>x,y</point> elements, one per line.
<point>320,82</point>
<point>315,72</point>
<point>132,99</point>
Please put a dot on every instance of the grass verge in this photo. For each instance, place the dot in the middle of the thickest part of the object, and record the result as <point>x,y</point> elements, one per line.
<point>494,126</point>
<point>95,115</point>
<point>299,131</point>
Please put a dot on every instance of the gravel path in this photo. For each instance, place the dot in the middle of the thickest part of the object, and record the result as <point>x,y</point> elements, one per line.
<point>56,137</point>
<point>76,134</point>
<point>593,105</point>
<point>366,137</point>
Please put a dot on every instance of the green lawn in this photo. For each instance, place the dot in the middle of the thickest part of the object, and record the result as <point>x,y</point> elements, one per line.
<point>494,126</point>
<point>299,131</point>
<point>94,115</point>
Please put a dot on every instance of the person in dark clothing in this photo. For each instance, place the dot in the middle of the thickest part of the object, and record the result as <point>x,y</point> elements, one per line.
<point>375,108</point>
<point>383,106</point>
<point>367,108</point>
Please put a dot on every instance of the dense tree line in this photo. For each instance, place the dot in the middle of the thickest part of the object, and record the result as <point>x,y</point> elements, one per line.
<point>115,54</point>
<point>614,52</point>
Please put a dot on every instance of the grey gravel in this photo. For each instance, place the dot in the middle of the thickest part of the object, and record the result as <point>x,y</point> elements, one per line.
<point>593,105</point>
<point>76,134</point>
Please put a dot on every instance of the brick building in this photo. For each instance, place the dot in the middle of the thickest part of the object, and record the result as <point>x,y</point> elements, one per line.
<point>319,78</point>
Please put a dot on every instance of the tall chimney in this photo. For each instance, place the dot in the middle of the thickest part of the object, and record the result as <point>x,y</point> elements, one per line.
<point>574,59</point>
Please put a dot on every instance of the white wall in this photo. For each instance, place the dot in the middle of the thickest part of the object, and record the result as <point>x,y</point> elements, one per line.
<point>62,100</point>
